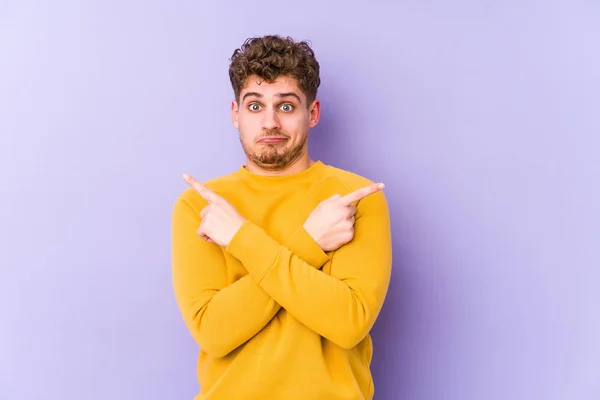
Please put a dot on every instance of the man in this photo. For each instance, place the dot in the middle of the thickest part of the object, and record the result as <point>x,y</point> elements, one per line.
<point>280,268</point>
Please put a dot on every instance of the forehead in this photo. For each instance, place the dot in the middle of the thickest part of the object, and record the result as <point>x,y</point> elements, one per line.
<point>282,84</point>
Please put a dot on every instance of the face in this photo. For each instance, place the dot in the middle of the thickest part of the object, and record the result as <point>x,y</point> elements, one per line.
<point>273,120</point>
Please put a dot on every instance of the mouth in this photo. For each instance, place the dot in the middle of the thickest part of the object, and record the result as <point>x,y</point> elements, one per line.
<point>273,139</point>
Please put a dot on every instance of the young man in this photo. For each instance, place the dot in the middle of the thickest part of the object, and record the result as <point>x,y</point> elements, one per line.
<point>280,268</point>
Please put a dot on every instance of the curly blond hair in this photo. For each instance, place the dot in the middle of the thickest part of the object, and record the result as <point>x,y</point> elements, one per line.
<point>271,56</point>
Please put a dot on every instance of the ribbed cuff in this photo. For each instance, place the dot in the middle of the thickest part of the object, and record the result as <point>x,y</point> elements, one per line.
<point>305,247</point>
<point>256,250</point>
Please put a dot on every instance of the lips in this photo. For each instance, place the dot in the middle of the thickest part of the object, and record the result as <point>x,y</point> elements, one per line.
<point>272,139</point>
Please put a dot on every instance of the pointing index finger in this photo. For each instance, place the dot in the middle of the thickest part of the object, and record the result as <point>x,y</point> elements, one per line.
<point>206,193</point>
<point>361,193</point>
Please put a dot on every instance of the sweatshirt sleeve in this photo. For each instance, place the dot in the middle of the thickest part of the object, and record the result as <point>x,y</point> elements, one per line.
<point>343,306</point>
<point>222,316</point>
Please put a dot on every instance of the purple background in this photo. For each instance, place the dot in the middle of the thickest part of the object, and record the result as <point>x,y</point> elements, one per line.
<point>482,118</point>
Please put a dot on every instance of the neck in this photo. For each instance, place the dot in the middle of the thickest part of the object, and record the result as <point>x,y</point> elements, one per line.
<point>300,164</point>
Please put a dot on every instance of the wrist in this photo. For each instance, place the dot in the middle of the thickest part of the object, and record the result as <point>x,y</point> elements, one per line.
<point>236,229</point>
<point>312,234</point>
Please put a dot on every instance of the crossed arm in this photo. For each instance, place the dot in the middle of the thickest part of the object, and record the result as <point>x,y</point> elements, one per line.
<point>341,307</point>
<point>222,316</point>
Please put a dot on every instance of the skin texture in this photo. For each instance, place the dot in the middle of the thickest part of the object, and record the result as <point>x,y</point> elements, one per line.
<point>274,110</point>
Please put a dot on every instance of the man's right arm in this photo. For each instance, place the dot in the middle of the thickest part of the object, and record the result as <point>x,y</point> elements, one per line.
<point>222,316</point>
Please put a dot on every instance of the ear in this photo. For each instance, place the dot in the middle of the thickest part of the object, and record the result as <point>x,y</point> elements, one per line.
<point>234,113</point>
<point>315,112</point>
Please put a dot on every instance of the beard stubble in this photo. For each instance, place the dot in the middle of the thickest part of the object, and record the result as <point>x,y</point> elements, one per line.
<point>274,157</point>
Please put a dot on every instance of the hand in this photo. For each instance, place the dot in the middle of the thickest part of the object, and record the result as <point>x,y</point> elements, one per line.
<point>331,224</point>
<point>220,220</point>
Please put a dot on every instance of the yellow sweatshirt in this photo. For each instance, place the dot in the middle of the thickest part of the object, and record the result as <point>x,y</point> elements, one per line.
<point>276,317</point>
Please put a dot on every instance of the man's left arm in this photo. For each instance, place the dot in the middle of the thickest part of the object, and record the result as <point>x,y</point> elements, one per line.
<point>342,306</point>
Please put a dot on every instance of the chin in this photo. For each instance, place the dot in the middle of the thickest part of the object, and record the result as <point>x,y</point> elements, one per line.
<point>270,161</point>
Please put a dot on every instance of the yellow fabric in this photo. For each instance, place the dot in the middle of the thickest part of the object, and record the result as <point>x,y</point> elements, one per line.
<point>274,316</point>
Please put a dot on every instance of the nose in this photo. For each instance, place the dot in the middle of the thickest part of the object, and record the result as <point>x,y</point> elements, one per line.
<point>270,120</point>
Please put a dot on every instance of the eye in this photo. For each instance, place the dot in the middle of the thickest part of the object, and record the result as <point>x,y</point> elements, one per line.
<point>254,107</point>
<point>287,107</point>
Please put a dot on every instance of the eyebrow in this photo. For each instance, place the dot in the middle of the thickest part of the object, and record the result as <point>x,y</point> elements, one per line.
<point>259,95</point>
